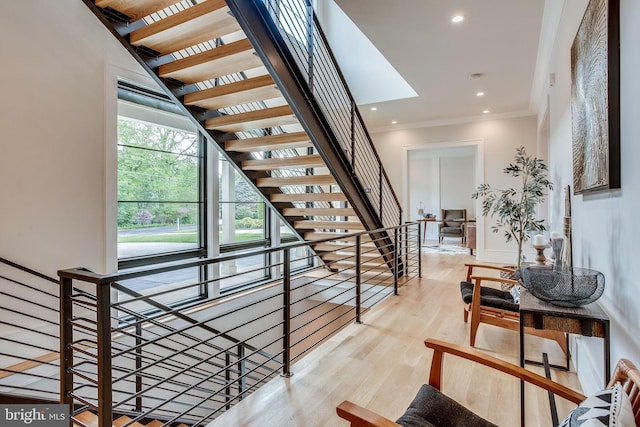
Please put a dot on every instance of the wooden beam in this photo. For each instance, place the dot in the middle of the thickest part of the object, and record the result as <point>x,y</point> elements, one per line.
<point>257,119</point>
<point>203,22</point>
<point>308,197</point>
<point>135,9</point>
<point>269,142</point>
<point>301,162</point>
<point>221,61</point>
<point>318,212</point>
<point>242,92</point>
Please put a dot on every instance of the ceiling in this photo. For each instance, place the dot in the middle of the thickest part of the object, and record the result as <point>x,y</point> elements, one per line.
<point>436,57</point>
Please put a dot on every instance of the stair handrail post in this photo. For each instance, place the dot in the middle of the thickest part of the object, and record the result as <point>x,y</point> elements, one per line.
<point>286,292</point>
<point>66,338</point>
<point>227,379</point>
<point>105,375</point>
<point>358,279</point>
<point>419,245</point>
<point>396,259</point>
<point>353,136</point>
<point>310,44</point>
<point>138,356</point>
<point>242,368</point>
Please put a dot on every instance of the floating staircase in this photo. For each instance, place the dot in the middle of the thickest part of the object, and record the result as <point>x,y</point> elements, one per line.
<point>212,57</point>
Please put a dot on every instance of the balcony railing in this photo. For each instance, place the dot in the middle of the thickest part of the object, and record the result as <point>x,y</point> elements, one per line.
<point>128,352</point>
<point>29,333</point>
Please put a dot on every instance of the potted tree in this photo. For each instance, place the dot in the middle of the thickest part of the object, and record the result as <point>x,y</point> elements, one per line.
<point>515,208</point>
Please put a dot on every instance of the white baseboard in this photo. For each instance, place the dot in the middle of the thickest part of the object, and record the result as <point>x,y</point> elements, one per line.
<point>588,360</point>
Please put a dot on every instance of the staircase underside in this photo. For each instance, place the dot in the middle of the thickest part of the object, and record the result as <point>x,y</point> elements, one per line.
<point>208,63</point>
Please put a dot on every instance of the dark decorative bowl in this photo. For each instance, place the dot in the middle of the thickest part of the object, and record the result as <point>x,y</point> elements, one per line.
<point>573,287</point>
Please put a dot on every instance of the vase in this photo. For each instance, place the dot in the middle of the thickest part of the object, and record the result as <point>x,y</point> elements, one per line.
<point>557,244</point>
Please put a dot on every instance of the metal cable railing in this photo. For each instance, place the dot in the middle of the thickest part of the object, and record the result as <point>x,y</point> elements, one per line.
<point>298,25</point>
<point>29,333</point>
<point>132,354</point>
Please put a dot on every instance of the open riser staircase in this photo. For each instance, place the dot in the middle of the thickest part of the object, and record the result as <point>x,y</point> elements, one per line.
<point>259,80</point>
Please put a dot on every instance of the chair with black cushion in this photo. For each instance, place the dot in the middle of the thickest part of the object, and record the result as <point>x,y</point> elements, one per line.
<point>455,226</point>
<point>493,306</point>
<point>431,408</point>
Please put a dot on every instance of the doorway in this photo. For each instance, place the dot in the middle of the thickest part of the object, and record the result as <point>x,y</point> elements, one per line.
<point>442,176</point>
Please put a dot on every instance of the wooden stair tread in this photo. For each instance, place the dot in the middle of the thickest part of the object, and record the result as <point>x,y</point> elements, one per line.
<point>245,91</point>
<point>269,142</point>
<point>308,197</point>
<point>364,266</point>
<point>221,61</point>
<point>124,420</point>
<point>155,423</point>
<point>302,180</point>
<point>318,212</point>
<point>135,9</point>
<point>350,254</point>
<point>308,161</point>
<point>337,225</point>
<point>205,21</point>
<point>321,235</point>
<point>347,246</point>
<point>87,418</point>
<point>257,119</point>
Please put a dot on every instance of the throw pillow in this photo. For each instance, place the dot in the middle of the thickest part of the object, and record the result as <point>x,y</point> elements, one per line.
<point>606,408</point>
<point>515,293</point>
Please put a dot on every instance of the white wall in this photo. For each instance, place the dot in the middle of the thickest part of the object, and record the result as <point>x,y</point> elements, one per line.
<point>53,181</point>
<point>495,141</point>
<point>605,233</point>
<point>457,183</point>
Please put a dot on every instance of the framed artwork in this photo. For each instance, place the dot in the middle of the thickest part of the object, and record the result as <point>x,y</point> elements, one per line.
<point>595,98</point>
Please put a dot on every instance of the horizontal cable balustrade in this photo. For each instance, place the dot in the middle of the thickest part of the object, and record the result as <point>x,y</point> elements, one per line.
<point>130,354</point>
<point>29,333</point>
<point>298,25</point>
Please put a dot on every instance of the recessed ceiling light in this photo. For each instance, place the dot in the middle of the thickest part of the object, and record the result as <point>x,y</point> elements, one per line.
<point>480,94</point>
<point>374,108</point>
<point>485,111</point>
<point>394,122</point>
<point>457,18</point>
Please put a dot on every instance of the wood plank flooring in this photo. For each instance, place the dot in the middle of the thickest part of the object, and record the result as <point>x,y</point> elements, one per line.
<point>381,363</point>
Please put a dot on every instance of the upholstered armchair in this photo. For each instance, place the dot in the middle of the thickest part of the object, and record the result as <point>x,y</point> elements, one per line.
<point>452,228</point>
<point>619,404</point>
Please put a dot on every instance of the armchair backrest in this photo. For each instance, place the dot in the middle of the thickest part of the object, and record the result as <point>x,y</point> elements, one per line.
<point>460,214</point>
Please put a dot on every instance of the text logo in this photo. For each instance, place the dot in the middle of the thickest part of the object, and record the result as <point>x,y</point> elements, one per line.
<point>34,415</point>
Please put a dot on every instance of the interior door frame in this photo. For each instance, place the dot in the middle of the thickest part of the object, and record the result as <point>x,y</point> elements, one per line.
<point>478,179</point>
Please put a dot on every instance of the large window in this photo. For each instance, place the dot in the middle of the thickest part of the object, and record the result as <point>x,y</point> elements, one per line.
<point>243,227</point>
<point>162,204</point>
<point>158,182</point>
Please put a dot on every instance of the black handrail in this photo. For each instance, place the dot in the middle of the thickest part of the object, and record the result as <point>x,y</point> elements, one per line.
<point>27,270</point>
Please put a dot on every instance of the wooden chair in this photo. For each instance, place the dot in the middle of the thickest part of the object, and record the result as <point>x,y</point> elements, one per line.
<point>494,306</point>
<point>625,373</point>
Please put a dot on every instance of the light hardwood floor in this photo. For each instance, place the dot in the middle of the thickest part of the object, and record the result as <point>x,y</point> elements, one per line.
<point>381,363</point>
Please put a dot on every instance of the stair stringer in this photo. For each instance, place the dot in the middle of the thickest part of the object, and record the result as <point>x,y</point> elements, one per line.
<point>264,35</point>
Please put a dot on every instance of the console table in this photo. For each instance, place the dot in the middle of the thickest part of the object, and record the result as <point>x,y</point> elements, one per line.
<point>589,320</point>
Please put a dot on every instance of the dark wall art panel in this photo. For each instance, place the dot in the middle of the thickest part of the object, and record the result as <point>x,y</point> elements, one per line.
<point>595,99</point>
